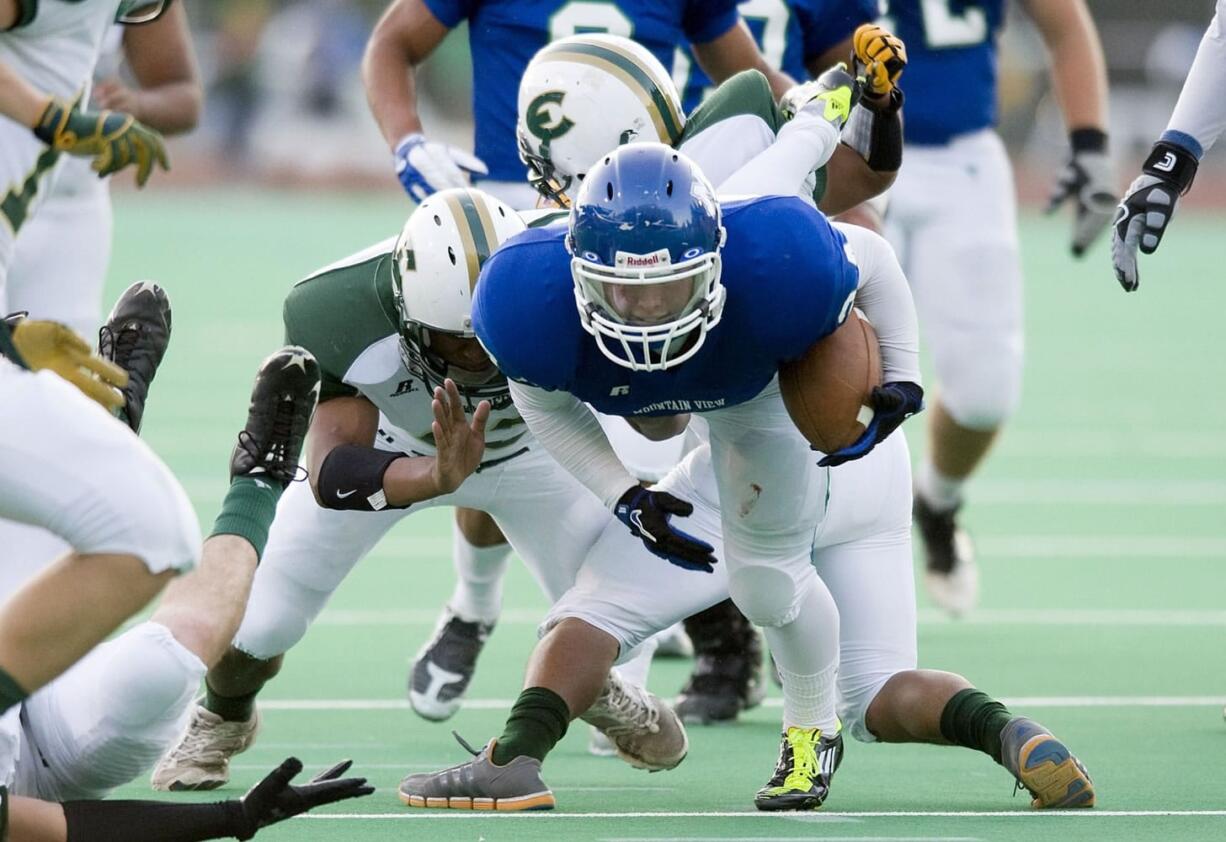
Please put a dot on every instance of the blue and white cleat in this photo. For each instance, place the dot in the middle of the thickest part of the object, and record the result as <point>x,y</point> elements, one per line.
<point>1042,764</point>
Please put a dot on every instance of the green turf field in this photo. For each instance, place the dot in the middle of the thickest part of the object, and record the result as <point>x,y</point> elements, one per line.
<point>1101,525</point>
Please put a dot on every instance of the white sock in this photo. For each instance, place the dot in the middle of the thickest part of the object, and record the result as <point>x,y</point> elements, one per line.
<point>939,491</point>
<point>808,700</point>
<point>806,651</point>
<point>479,572</point>
<point>635,670</point>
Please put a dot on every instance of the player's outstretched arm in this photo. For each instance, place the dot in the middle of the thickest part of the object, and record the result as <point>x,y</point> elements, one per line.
<point>1197,122</point>
<point>1079,76</point>
<point>347,473</point>
<point>272,800</point>
<point>19,100</point>
<point>169,96</point>
<point>406,34</point>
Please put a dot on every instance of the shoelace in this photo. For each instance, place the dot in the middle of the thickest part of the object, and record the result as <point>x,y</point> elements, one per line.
<point>630,707</point>
<point>804,758</point>
<point>274,459</point>
<point>207,745</point>
<point>119,346</point>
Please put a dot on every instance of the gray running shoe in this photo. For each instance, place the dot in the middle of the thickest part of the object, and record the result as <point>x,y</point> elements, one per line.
<point>480,785</point>
<point>644,730</point>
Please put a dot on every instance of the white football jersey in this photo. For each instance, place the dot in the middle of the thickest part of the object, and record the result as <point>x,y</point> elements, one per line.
<point>57,50</point>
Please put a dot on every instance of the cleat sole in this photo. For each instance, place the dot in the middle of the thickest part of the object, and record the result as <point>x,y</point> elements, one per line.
<point>1054,775</point>
<point>536,801</point>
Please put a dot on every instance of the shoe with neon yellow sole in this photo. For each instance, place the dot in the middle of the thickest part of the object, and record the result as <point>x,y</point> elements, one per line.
<point>480,784</point>
<point>808,760</point>
<point>1044,766</point>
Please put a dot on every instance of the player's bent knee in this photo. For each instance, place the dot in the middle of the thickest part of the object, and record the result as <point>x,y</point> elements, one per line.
<point>151,677</point>
<point>854,701</point>
<point>767,596</point>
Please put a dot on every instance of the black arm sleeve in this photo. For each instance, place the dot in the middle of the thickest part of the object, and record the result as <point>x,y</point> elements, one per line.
<point>154,821</point>
<point>351,478</point>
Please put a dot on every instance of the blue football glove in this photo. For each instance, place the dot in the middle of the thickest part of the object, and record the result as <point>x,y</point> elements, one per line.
<point>425,167</point>
<point>892,404</point>
<point>647,513</point>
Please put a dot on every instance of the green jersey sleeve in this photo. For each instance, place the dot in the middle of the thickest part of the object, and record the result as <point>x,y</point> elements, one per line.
<point>338,313</point>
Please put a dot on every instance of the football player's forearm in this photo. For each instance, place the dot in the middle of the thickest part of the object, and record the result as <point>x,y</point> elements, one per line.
<point>19,100</point>
<point>410,480</point>
<point>1200,112</point>
<point>1079,71</point>
<point>406,34</point>
<point>851,181</point>
<point>885,297</point>
<point>171,109</point>
<point>570,432</point>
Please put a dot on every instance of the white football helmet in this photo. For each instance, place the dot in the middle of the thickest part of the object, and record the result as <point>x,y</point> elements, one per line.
<point>581,97</point>
<point>437,259</point>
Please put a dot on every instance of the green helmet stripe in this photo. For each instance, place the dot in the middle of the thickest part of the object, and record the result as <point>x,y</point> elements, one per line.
<point>662,109</point>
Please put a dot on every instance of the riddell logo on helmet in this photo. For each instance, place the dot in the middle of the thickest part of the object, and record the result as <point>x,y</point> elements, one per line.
<point>628,260</point>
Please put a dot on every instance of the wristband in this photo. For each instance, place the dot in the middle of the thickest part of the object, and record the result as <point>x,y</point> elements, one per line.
<point>351,478</point>
<point>1173,164</point>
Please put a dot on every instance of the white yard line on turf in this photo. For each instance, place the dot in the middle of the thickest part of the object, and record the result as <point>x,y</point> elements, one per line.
<point>790,839</point>
<point>980,617</point>
<point>885,814</point>
<point>773,702</point>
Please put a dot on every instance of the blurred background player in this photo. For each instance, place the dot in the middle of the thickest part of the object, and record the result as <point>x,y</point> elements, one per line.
<point>47,55</point>
<point>1197,122</point>
<point>504,35</point>
<point>63,251</point>
<point>952,218</point>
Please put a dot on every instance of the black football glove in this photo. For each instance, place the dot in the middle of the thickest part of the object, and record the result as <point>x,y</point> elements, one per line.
<point>274,799</point>
<point>892,404</point>
<point>1088,181</point>
<point>647,513</point>
<point>1147,208</point>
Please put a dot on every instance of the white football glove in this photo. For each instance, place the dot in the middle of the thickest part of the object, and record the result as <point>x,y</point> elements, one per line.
<point>425,166</point>
<point>1088,180</point>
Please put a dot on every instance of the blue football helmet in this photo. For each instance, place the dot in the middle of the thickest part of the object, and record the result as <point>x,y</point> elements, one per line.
<point>644,239</point>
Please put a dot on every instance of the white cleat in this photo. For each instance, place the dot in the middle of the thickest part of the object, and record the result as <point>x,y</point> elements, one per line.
<point>201,760</point>
<point>673,642</point>
<point>643,730</point>
<point>951,576</point>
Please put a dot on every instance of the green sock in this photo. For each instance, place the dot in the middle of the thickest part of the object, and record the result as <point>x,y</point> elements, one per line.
<point>248,510</point>
<point>229,708</point>
<point>11,693</point>
<point>974,719</point>
<point>537,722</point>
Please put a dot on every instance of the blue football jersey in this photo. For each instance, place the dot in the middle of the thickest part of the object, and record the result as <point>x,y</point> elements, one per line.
<point>950,80</point>
<point>789,280</point>
<point>505,34</point>
<point>788,32</point>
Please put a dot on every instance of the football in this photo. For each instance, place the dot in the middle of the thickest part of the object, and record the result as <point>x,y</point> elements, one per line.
<point>827,390</point>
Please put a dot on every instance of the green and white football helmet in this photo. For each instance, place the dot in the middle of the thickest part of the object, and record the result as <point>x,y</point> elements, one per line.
<point>437,260</point>
<point>584,95</point>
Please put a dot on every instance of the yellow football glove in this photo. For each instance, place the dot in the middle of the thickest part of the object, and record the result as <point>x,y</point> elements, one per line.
<point>883,56</point>
<point>56,347</point>
<point>112,138</point>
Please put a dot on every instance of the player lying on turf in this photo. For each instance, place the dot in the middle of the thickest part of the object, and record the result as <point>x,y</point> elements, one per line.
<point>862,549</point>
<point>573,108</point>
<point>112,713</point>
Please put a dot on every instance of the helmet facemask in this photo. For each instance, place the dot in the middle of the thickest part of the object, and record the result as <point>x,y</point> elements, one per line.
<point>432,368</point>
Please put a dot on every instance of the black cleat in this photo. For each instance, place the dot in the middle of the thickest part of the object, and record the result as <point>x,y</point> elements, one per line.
<point>444,666</point>
<point>135,337</point>
<point>282,400</point>
<point>727,676</point>
<point>808,760</point>
<point>951,575</point>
